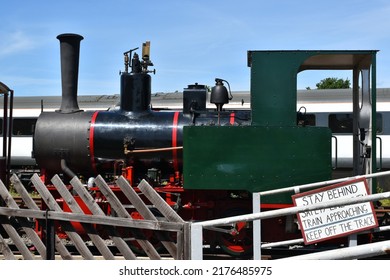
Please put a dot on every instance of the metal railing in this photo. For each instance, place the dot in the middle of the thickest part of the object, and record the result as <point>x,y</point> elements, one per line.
<point>197,228</point>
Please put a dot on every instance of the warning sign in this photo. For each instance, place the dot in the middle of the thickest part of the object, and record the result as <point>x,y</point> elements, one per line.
<point>323,224</point>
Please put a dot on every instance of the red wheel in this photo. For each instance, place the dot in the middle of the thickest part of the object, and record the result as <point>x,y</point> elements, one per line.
<point>239,242</point>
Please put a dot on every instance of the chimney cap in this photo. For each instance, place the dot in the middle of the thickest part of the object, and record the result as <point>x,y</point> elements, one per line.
<point>72,35</point>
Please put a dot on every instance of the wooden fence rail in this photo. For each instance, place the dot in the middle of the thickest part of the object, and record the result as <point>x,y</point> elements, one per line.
<point>85,222</point>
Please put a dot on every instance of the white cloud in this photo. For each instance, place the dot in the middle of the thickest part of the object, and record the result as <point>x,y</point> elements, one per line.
<point>15,42</point>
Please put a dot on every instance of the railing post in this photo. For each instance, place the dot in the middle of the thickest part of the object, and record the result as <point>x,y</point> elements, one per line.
<point>256,227</point>
<point>196,241</point>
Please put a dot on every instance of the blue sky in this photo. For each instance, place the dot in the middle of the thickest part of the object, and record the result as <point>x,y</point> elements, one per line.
<point>191,41</point>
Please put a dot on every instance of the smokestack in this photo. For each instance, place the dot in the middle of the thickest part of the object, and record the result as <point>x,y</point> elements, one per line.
<point>70,51</point>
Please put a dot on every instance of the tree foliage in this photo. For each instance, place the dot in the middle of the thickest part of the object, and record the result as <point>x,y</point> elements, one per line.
<point>333,83</point>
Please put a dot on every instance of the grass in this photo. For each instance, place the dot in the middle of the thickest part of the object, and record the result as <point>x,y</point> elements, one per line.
<point>385,202</point>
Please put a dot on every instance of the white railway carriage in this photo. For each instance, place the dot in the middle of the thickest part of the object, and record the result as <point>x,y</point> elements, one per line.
<point>340,121</point>
<point>312,104</point>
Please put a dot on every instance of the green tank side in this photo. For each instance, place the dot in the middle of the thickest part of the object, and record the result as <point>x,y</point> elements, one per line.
<point>255,158</point>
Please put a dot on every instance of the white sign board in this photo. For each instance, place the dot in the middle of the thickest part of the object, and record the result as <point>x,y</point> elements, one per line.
<point>323,224</point>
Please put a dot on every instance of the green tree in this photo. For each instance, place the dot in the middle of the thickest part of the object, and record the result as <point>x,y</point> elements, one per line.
<point>332,83</point>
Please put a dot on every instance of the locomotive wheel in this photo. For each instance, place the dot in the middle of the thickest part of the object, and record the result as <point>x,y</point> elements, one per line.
<point>240,242</point>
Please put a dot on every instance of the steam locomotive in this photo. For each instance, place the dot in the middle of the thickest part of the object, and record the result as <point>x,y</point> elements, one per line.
<point>204,162</point>
<point>90,142</point>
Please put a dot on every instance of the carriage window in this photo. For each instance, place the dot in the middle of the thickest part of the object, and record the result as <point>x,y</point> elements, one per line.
<point>343,123</point>
<point>23,127</point>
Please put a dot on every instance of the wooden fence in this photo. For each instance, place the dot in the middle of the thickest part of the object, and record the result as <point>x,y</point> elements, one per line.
<point>102,235</point>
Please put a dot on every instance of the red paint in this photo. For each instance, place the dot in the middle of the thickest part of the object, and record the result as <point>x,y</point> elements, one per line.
<point>174,140</point>
<point>232,116</point>
<point>91,141</point>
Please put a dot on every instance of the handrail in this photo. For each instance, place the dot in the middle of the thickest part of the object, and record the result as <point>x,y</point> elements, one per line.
<point>336,153</point>
<point>380,152</point>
